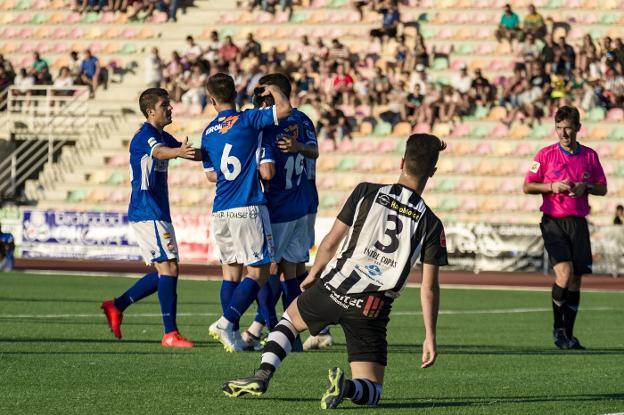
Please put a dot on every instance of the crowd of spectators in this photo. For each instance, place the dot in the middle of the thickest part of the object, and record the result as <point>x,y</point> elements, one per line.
<point>342,88</point>
<point>86,71</point>
<point>135,9</point>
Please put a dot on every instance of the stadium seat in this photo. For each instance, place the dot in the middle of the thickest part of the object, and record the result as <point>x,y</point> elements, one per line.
<point>497,114</point>
<point>615,114</point>
<point>402,129</point>
<point>461,130</point>
<point>596,114</point>
<point>422,128</point>
<point>382,129</point>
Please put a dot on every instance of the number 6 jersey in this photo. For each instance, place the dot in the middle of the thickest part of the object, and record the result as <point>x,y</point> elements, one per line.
<point>391,228</point>
<point>230,147</point>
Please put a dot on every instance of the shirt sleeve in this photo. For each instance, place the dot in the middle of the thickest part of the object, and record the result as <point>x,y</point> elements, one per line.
<point>536,170</point>
<point>261,118</point>
<point>206,162</point>
<point>347,213</point>
<point>170,141</point>
<point>598,175</point>
<point>267,151</point>
<point>309,133</point>
<point>434,247</point>
<point>146,145</point>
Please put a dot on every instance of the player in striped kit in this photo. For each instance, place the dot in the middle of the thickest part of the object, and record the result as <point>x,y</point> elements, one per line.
<point>381,231</point>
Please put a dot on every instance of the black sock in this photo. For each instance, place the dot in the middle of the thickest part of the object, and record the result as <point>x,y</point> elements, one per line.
<point>570,309</point>
<point>558,304</point>
<point>362,391</point>
<point>279,344</point>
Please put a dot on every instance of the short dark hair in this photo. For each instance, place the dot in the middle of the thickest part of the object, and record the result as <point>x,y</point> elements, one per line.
<point>278,79</point>
<point>421,154</point>
<point>619,207</point>
<point>150,97</point>
<point>221,87</point>
<point>568,113</point>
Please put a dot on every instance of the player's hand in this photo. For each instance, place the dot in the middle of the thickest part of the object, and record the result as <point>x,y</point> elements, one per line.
<point>429,352</point>
<point>288,145</point>
<point>186,150</point>
<point>560,187</point>
<point>308,282</point>
<point>269,90</point>
<point>579,189</point>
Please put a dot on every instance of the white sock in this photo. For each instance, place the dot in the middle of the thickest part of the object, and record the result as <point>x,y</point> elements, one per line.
<point>255,328</point>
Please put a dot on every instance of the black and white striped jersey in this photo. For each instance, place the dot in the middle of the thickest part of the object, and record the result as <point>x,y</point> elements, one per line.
<point>391,227</point>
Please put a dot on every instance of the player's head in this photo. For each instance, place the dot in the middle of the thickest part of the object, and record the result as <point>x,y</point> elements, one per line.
<point>567,125</point>
<point>421,155</point>
<point>619,210</point>
<point>156,106</point>
<point>277,79</point>
<point>221,89</point>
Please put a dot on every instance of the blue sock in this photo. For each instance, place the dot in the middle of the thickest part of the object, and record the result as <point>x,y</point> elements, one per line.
<point>168,298</point>
<point>227,289</point>
<point>276,288</point>
<point>8,264</point>
<point>302,277</point>
<point>266,307</point>
<point>141,289</point>
<point>291,291</point>
<point>243,296</point>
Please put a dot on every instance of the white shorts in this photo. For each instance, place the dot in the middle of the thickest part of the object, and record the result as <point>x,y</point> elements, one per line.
<point>243,235</point>
<point>156,239</point>
<point>311,234</point>
<point>291,240</point>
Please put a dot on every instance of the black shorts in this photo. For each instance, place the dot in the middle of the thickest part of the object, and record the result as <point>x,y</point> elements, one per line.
<point>567,240</point>
<point>363,317</point>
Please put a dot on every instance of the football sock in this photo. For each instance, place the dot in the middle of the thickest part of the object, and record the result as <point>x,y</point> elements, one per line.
<point>569,310</point>
<point>362,391</point>
<point>290,291</point>
<point>242,297</point>
<point>279,344</point>
<point>266,307</point>
<point>558,304</point>
<point>276,288</point>
<point>302,277</point>
<point>256,329</point>
<point>325,330</point>
<point>168,298</point>
<point>227,288</point>
<point>142,288</point>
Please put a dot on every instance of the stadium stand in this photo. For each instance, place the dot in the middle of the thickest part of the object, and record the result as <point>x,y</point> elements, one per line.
<point>480,176</point>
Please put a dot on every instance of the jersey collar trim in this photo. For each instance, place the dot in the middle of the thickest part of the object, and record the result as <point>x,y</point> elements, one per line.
<point>567,153</point>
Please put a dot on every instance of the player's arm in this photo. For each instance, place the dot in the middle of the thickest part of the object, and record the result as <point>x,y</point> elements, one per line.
<point>326,251</point>
<point>212,176</point>
<point>282,103</point>
<point>267,170</point>
<point>430,302</point>
<point>166,153</point>
<point>534,180</point>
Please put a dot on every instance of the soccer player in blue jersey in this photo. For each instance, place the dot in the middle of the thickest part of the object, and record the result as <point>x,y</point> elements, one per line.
<point>287,146</point>
<point>151,149</point>
<point>230,149</point>
<point>7,249</point>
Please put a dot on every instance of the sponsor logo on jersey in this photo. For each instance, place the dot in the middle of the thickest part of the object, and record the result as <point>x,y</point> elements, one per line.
<point>442,239</point>
<point>343,300</point>
<point>292,132</point>
<point>534,167</point>
<point>373,306</point>
<point>370,271</point>
<point>225,123</point>
<point>586,175</point>
<point>151,141</point>
<point>398,207</point>
<point>161,165</point>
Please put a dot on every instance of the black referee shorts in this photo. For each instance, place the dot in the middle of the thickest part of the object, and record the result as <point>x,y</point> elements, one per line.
<point>363,317</point>
<point>567,240</point>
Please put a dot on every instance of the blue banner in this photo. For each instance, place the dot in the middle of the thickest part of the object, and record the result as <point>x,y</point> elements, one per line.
<point>80,235</point>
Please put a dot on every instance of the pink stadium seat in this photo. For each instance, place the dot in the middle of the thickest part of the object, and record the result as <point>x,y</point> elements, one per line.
<point>74,18</point>
<point>327,146</point>
<point>159,17</point>
<point>422,128</point>
<point>76,33</point>
<point>467,186</point>
<point>483,149</point>
<point>26,33</point>
<point>461,130</point>
<point>365,146</point>
<point>499,131</point>
<point>615,114</point>
<point>23,18</point>
<point>457,64</point>
<point>346,146</point>
<point>281,17</point>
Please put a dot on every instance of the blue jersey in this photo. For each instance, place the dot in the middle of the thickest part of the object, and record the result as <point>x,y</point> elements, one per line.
<point>311,168</point>
<point>148,175</point>
<point>288,193</point>
<point>230,147</point>
<point>6,238</point>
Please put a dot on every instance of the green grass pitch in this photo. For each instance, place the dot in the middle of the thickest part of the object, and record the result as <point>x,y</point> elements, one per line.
<point>496,356</point>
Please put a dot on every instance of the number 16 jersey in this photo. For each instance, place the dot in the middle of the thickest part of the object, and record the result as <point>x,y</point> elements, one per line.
<point>230,147</point>
<point>391,227</point>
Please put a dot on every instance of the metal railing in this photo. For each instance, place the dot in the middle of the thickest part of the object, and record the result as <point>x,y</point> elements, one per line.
<point>41,113</point>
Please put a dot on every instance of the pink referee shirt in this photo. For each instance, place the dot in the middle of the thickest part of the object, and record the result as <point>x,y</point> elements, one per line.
<point>554,164</point>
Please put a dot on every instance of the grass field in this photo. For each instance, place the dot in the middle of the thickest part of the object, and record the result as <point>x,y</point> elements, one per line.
<point>496,356</point>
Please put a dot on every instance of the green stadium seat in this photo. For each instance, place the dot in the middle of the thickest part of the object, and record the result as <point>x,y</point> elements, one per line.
<point>23,5</point>
<point>337,4</point>
<point>540,131</point>
<point>298,17</point>
<point>90,18</point>
<point>617,133</point>
<point>480,131</point>
<point>448,204</point>
<point>400,147</point>
<point>128,48</point>
<point>596,114</point>
<point>620,170</point>
<point>346,164</point>
<point>382,129</point>
<point>328,201</point>
<point>76,195</point>
<point>116,178</point>
<point>440,64</point>
<point>609,19</point>
<point>39,18</point>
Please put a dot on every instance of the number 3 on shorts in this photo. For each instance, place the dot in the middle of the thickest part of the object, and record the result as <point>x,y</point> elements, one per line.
<point>227,161</point>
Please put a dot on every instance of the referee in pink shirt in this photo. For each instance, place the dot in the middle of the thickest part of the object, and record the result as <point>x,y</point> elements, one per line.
<point>565,174</point>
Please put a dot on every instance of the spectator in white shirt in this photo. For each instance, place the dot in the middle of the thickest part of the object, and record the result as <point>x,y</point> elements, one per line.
<point>153,69</point>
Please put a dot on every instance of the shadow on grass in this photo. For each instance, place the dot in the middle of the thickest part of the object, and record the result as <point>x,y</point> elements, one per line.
<point>58,340</point>
<point>96,322</point>
<point>482,349</point>
<point>491,400</point>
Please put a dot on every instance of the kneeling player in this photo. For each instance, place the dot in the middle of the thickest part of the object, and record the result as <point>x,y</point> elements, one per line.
<point>387,227</point>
